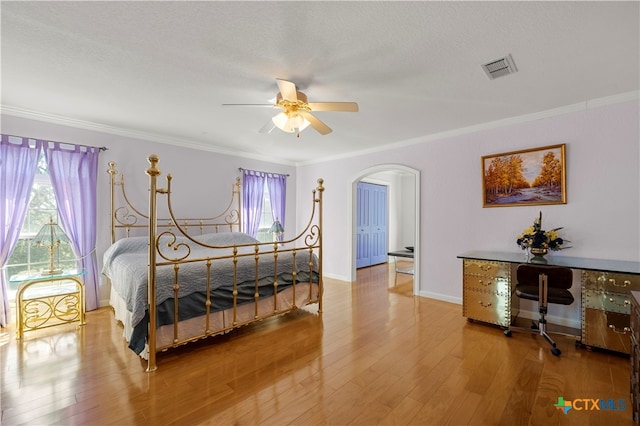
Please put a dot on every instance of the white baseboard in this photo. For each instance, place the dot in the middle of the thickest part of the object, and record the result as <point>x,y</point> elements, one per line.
<point>443,297</point>
<point>532,315</point>
<point>335,277</point>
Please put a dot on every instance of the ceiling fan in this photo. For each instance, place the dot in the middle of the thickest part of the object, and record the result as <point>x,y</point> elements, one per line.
<point>296,110</point>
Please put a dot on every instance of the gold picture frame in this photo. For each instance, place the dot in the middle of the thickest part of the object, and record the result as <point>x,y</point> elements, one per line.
<point>529,177</point>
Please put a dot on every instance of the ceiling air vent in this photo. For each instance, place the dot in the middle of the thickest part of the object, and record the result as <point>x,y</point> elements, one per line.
<point>500,67</point>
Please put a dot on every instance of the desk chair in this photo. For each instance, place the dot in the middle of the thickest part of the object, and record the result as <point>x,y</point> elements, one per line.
<point>544,284</point>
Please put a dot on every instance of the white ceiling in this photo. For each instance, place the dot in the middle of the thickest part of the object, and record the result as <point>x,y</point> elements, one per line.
<point>161,70</point>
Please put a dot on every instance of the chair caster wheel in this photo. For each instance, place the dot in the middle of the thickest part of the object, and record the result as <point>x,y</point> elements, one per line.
<point>507,333</point>
<point>556,351</point>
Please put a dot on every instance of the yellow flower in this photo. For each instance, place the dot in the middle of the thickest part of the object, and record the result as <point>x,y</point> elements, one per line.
<point>536,237</point>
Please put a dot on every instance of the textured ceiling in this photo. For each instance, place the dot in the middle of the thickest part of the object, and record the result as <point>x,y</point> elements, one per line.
<point>161,70</point>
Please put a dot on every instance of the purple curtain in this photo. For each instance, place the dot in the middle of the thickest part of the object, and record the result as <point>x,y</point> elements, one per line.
<point>252,195</point>
<point>277,185</point>
<point>74,177</point>
<point>18,163</point>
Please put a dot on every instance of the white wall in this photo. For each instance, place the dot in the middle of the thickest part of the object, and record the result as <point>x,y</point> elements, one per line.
<point>408,211</point>
<point>601,217</point>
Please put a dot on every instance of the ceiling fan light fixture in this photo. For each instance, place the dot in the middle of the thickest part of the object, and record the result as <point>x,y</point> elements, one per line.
<point>290,122</point>
<point>280,121</point>
<point>298,122</point>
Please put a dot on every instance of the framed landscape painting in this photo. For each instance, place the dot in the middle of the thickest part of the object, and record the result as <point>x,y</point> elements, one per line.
<point>525,178</point>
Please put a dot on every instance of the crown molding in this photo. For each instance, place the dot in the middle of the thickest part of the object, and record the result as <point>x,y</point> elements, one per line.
<point>581,106</point>
<point>87,125</point>
<point>147,136</point>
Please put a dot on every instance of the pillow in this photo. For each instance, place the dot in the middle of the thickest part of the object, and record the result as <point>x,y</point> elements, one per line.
<point>226,238</point>
<point>125,245</point>
<point>141,244</point>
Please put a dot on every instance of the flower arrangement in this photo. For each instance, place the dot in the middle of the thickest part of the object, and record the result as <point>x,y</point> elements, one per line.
<point>537,238</point>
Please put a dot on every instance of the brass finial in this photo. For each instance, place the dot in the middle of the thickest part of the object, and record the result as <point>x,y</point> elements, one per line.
<point>153,170</point>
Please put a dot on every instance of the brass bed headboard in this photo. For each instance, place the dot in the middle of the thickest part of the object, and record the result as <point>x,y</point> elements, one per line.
<point>125,216</point>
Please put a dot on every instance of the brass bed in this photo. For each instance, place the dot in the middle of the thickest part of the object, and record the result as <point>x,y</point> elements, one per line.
<point>204,272</point>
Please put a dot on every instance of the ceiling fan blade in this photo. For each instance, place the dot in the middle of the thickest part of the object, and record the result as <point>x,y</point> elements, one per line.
<point>268,127</point>
<point>287,90</point>
<point>250,105</point>
<point>334,106</point>
<point>318,125</point>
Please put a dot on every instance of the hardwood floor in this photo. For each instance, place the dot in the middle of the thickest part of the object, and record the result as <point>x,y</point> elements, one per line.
<point>376,355</point>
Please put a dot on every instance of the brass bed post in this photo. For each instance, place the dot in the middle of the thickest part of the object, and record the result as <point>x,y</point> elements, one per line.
<point>320,285</point>
<point>236,192</point>
<point>112,173</point>
<point>153,172</point>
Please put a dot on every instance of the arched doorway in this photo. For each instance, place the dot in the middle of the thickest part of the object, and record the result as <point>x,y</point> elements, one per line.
<point>410,177</point>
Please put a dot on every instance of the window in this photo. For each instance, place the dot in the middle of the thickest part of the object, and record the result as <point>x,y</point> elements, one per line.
<point>266,220</point>
<point>27,258</point>
<point>263,200</point>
